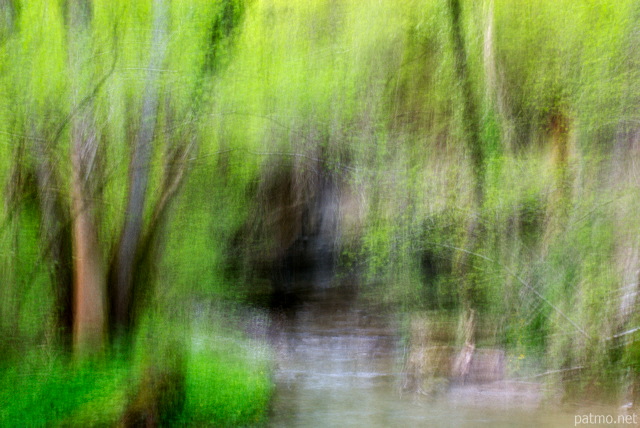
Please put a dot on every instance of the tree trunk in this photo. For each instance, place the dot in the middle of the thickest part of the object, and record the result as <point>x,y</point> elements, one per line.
<point>56,236</point>
<point>470,119</point>
<point>471,127</point>
<point>89,271</point>
<point>495,91</point>
<point>128,254</point>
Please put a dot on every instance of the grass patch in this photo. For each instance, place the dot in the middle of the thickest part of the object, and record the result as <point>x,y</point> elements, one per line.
<point>51,391</point>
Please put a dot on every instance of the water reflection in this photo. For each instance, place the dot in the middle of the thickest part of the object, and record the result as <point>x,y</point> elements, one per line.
<point>341,362</point>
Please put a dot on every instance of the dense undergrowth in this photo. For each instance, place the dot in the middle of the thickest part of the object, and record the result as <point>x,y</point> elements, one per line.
<point>225,380</point>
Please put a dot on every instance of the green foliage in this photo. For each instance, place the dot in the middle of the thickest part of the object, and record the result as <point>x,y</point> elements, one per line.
<point>226,381</point>
<point>26,303</point>
<point>225,375</point>
<point>226,386</point>
<point>44,388</point>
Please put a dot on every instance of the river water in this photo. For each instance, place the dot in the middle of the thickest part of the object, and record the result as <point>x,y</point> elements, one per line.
<point>339,363</point>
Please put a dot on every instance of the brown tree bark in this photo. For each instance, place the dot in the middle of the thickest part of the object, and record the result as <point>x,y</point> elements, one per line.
<point>89,271</point>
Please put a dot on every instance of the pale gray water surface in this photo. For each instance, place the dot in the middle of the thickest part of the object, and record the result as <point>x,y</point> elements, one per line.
<point>340,364</point>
